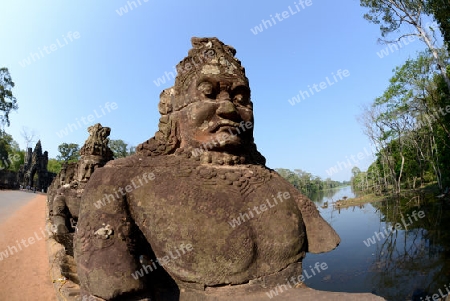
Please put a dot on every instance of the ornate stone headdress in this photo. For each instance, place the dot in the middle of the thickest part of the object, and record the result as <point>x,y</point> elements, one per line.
<point>208,56</point>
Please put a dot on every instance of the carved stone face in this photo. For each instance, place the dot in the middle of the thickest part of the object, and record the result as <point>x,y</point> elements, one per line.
<point>222,115</point>
<point>85,171</point>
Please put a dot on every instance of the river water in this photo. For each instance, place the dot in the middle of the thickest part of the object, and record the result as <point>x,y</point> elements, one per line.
<point>373,257</point>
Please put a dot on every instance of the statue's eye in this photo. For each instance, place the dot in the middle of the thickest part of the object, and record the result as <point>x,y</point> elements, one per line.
<point>206,88</point>
<point>241,96</point>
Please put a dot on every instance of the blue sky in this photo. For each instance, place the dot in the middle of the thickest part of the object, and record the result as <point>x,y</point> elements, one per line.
<point>79,58</point>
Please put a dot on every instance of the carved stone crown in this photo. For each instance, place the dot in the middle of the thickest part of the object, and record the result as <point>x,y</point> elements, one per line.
<point>209,56</point>
<point>97,142</point>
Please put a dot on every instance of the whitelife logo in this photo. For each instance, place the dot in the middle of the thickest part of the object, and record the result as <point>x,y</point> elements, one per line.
<point>244,217</point>
<point>380,235</point>
<point>11,250</point>
<point>46,50</point>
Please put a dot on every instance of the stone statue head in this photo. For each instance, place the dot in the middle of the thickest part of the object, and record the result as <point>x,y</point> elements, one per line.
<point>95,152</point>
<point>208,112</point>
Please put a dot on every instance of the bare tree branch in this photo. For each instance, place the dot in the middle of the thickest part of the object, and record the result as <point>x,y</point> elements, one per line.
<point>29,136</point>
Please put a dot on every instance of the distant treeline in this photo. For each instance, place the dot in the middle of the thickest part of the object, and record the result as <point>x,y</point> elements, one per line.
<point>306,182</point>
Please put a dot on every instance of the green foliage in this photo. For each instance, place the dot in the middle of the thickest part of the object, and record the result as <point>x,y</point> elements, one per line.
<point>69,152</point>
<point>132,150</point>
<point>11,157</point>
<point>15,159</point>
<point>410,124</point>
<point>370,180</point>
<point>5,145</point>
<point>19,159</point>
<point>54,165</point>
<point>120,148</point>
<point>441,11</point>
<point>356,171</point>
<point>8,102</point>
<point>392,14</point>
<point>306,182</point>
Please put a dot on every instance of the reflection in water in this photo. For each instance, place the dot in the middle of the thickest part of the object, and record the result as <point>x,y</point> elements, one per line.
<point>386,248</point>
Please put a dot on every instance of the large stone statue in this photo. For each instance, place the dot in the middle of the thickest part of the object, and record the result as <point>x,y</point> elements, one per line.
<point>64,194</point>
<point>63,202</point>
<point>195,213</point>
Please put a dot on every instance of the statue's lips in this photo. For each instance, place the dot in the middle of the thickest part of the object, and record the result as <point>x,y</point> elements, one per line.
<point>227,129</point>
<point>223,126</point>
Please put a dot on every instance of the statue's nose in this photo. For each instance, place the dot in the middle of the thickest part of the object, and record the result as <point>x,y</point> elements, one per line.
<point>226,108</point>
<point>223,96</point>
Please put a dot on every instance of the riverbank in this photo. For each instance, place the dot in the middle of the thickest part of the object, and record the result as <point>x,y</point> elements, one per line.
<point>430,189</point>
<point>358,201</point>
<point>23,256</point>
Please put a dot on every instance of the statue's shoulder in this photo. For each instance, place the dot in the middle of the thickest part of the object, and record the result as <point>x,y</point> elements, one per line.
<point>280,182</point>
<point>120,171</point>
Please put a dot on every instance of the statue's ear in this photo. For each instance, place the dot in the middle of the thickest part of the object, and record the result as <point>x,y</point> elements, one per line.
<point>172,132</point>
<point>165,101</point>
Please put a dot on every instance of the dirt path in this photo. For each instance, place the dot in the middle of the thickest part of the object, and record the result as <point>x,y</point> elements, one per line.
<point>11,201</point>
<point>24,268</point>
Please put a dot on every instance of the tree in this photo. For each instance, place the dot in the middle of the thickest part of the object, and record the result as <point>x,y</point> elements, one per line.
<point>54,165</point>
<point>441,11</point>
<point>416,100</point>
<point>410,127</point>
<point>132,150</point>
<point>69,152</point>
<point>16,160</point>
<point>28,135</point>
<point>356,171</point>
<point>120,149</point>
<point>8,102</point>
<point>391,15</point>
<point>380,136</point>
<point>5,141</point>
<point>306,182</point>
<point>10,155</point>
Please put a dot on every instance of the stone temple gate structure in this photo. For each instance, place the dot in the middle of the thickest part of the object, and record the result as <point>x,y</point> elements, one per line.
<point>34,171</point>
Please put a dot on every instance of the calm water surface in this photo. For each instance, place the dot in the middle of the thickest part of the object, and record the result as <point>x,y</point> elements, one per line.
<point>392,264</point>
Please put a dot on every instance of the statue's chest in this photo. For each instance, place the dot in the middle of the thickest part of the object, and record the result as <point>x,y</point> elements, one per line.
<point>230,217</point>
<point>204,203</point>
<point>192,197</point>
